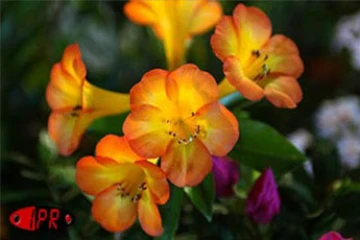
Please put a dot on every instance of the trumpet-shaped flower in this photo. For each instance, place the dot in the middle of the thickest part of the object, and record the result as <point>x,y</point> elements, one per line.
<point>175,22</point>
<point>256,64</point>
<point>125,186</point>
<point>75,102</point>
<point>176,116</point>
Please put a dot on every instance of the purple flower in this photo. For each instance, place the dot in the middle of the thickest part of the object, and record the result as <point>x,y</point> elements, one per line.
<point>226,175</point>
<point>333,236</point>
<point>263,202</point>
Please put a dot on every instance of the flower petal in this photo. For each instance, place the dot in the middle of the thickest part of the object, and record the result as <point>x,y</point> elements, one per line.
<point>283,56</point>
<point>93,175</point>
<point>114,213</point>
<point>283,92</point>
<point>66,129</point>
<point>151,90</point>
<point>156,181</point>
<point>71,62</point>
<point>248,88</point>
<point>116,148</point>
<point>140,12</point>
<point>254,29</point>
<point>224,41</point>
<point>146,131</point>
<point>189,80</point>
<point>219,129</point>
<point>186,164</point>
<point>63,91</point>
<point>206,14</point>
<point>149,215</point>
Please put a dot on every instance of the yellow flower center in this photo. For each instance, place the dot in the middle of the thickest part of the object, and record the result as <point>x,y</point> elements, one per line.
<point>256,68</point>
<point>132,184</point>
<point>183,129</point>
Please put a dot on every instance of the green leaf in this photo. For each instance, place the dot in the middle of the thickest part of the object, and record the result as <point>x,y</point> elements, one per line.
<point>203,196</point>
<point>107,125</point>
<point>170,213</point>
<point>260,146</point>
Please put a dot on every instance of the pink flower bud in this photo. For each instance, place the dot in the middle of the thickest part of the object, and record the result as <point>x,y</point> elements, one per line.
<point>226,175</point>
<point>263,202</point>
<point>333,236</point>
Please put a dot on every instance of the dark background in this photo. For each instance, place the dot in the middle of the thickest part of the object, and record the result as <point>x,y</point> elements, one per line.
<point>117,53</point>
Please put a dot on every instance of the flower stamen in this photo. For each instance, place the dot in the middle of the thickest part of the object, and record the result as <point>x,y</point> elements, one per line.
<point>257,69</point>
<point>184,129</point>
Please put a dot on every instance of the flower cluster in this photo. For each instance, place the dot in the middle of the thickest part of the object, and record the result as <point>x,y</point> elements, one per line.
<point>347,36</point>
<point>339,121</point>
<point>175,114</point>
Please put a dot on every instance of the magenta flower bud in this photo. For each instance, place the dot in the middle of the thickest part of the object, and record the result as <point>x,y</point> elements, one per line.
<point>226,175</point>
<point>263,202</point>
<point>333,236</point>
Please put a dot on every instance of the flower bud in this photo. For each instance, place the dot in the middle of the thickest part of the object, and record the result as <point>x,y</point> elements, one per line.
<point>333,236</point>
<point>263,202</point>
<point>226,175</point>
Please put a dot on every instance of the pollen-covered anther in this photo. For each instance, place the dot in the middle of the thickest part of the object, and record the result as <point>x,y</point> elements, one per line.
<point>76,111</point>
<point>136,198</point>
<point>256,53</point>
<point>143,186</point>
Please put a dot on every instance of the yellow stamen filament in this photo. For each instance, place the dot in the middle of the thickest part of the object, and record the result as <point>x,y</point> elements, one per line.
<point>132,184</point>
<point>256,68</point>
<point>184,130</point>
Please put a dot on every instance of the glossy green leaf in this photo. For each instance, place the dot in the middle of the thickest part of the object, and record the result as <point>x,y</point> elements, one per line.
<point>170,213</point>
<point>110,124</point>
<point>203,196</point>
<point>260,146</point>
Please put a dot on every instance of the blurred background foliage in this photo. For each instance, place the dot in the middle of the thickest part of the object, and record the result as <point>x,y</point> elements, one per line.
<point>117,53</point>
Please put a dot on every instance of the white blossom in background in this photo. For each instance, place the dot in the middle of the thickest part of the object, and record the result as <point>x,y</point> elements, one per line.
<point>337,117</point>
<point>339,121</point>
<point>308,168</point>
<point>349,151</point>
<point>302,139</point>
<point>347,36</point>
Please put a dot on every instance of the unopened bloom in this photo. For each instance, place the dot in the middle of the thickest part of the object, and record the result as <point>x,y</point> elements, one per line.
<point>124,184</point>
<point>263,202</point>
<point>333,236</point>
<point>226,175</point>
<point>256,64</point>
<point>175,22</point>
<point>75,102</point>
<point>177,116</point>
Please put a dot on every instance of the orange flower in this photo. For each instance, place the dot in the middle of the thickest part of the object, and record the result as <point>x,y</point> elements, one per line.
<point>176,115</point>
<point>75,102</point>
<point>175,22</point>
<point>124,185</point>
<point>255,64</point>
